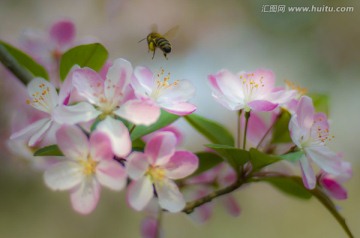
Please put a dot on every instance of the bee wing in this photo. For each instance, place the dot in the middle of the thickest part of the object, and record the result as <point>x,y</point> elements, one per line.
<point>154,28</point>
<point>170,34</point>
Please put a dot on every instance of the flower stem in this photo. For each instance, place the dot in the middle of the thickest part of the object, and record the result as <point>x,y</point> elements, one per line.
<point>190,206</point>
<point>132,129</point>
<point>238,128</point>
<point>268,130</point>
<point>11,64</point>
<point>159,222</point>
<point>247,116</point>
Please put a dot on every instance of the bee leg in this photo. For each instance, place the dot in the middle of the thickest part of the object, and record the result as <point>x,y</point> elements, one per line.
<point>153,55</point>
<point>165,56</point>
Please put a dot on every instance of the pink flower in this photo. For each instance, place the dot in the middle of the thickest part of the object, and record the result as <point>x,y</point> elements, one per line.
<point>310,132</point>
<point>333,184</point>
<point>249,91</point>
<point>43,97</point>
<point>89,164</point>
<point>154,93</point>
<point>47,47</point>
<point>172,129</point>
<point>159,165</point>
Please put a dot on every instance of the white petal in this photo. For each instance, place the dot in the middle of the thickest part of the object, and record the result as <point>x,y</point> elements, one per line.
<point>308,175</point>
<point>85,197</point>
<point>137,164</point>
<point>89,84</point>
<point>43,95</point>
<point>139,193</point>
<point>30,130</point>
<point>111,174</point>
<point>170,197</point>
<point>39,135</point>
<point>327,160</point>
<point>73,142</point>
<point>63,175</point>
<point>118,135</point>
<point>81,112</point>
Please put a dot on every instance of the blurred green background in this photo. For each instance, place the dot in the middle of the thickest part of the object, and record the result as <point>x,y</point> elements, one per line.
<point>319,51</point>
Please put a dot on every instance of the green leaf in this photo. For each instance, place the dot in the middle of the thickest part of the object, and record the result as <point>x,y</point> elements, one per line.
<point>91,55</point>
<point>294,156</point>
<point>26,61</point>
<point>164,120</point>
<point>289,185</point>
<point>138,145</point>
<point>234,156</point>
<point>51,150</point>
<point>321,102</point>
<point>259,159</point>
<point>207,160</point>
<point>281,133</point>
<point>212,130</point>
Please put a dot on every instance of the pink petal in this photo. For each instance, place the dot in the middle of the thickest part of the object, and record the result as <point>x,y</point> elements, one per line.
<point>117,78</point>
<point>172,129</point>
<point>231,205</point>
<point>63,175</point>
<point>67,87</point>
<point>104,70</point>
<point>139,112</point>
<point>139,193</point>
<point>308,175</point>
<point>327,160</point>
<point>111,174</point>
<point>137,164</point>
<point>149,228</point>
<point>89,84</point>
<point>180,109</point>
<point>169,195</point>
<point>256,128</point>
<point>72,142</point>
<point>85,197</point>
<point>265,77</point>
<point>334,188</point>
<point>160,148</point>
<point>298,134</point>
<point>203,213</point>
<point>144,81</point>
<point>43,95</point>
<point>80,112</point>
<point>181,164</point>
<point>100,147</point>
<point>262,105</point>
<point>305,112</point>
<point>229,85</point>
<point>63,32</point>
<point>118,135</point>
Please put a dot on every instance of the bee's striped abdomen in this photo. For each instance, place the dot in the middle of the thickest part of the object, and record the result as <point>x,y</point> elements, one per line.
<point>163,44</point>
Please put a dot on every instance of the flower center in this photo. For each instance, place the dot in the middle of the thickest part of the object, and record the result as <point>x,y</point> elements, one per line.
<point>320,132</point>
<point>41,98</point>
<point>162,84</point>
<point>89,166</point>
<point>156,173</point>
<point>251,85</point>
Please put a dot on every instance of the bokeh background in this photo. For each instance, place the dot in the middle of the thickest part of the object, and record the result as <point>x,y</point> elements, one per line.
<point>319,51</point>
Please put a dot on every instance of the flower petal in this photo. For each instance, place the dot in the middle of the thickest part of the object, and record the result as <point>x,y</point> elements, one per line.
<point>160,148</point>
<point>143,81</point>
<point>228,84</point>
<point>169,195</point>
<point>117,78</point>
<point>139,112</point>
<point>73,142</point>
<point>80,112</point>
<point>100,146</point>
<point>63,175</point>
<point>333,188</point>
<point>308,175</point>
<point>305,113</point>
<point>149,228</point>
<point>111,174</point>
<point>262,105</point>
<point>85,197</point>
<point>327,160</point>
<point>89,84</point>
<point>231,205</point>
<point>180,109</point>
<point>29,130</point>
<point>181,92</point>
<point>139,193</point>
<point>43,95</point>
<point>63,32</point>
<point>137,164</point>
<point>118,134</point>
<point>181,164</point>
<point>40,134</point>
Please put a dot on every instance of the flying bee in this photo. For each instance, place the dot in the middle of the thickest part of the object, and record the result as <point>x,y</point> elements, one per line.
<point>156,40</point>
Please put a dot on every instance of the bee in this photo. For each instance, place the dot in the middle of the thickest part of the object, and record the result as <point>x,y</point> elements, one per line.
<point>156,40</point>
